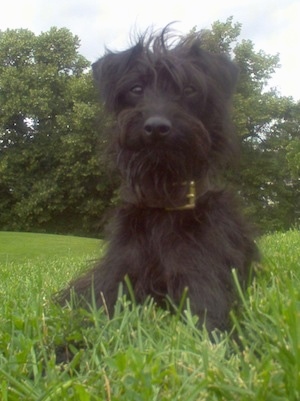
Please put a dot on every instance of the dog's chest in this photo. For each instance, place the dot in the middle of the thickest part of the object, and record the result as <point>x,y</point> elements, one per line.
<point>163,240</point>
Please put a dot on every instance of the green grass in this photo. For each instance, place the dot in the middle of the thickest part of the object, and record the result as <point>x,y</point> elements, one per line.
<point>19,247</point>
<point>144,353</point>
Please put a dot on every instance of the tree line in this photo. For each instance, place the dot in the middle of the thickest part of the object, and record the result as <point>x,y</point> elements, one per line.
<point>54,173</point>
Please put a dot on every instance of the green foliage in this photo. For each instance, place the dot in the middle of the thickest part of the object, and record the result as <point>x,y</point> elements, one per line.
<point>51,175</point>
<point>143,352</point>
<point>221,36</point>
<point>268,175</point>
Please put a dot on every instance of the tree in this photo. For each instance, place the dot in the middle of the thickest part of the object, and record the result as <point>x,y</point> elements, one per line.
<point>50,173</point>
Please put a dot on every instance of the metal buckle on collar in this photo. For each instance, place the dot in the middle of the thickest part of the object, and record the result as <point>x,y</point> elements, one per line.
<point>191,198</point>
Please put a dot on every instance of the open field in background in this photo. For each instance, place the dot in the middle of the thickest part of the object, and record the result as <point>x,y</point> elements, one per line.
<point>41,264</point>
<point>143,353</point>
<point>21,247</point>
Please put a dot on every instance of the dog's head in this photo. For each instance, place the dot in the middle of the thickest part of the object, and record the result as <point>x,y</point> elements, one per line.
<point>171,106</point>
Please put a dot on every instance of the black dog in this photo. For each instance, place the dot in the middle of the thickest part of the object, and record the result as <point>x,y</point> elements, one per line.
<point>175,230</point>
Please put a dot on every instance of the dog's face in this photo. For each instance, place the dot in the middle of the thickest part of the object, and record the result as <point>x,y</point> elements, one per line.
<point>171,106</point>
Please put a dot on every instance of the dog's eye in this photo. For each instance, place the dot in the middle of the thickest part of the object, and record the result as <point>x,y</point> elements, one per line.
<point>189,90</point>
<point>137,90</point>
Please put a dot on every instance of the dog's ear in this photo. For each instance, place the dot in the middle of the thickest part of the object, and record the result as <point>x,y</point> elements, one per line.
<point>106,73</point>
<point>109,69</point>
<point>218,66</point>
<point>227,74</point>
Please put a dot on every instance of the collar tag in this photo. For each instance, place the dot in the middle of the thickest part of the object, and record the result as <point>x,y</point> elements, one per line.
<point>191,198</point>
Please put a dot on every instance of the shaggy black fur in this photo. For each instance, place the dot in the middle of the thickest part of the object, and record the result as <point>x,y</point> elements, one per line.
<point>172,137</point>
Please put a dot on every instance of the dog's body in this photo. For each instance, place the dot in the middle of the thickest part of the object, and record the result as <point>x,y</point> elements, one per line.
<point>175,229</point>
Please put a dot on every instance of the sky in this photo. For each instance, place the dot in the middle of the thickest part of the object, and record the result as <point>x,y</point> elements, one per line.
<point>272,25</point>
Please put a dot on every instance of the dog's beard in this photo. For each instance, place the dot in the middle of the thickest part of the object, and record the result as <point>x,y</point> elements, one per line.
<point>158,177</point>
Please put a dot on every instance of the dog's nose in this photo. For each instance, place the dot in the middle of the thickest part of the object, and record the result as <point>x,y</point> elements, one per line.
<point>157,127</point>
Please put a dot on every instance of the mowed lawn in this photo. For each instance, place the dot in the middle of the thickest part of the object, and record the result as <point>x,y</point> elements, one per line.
<point>143,353</point>
<point>41,263</point>
<point>19,247</point>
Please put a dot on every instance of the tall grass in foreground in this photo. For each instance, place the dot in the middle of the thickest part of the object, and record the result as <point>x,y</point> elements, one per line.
<point>144,353</point>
